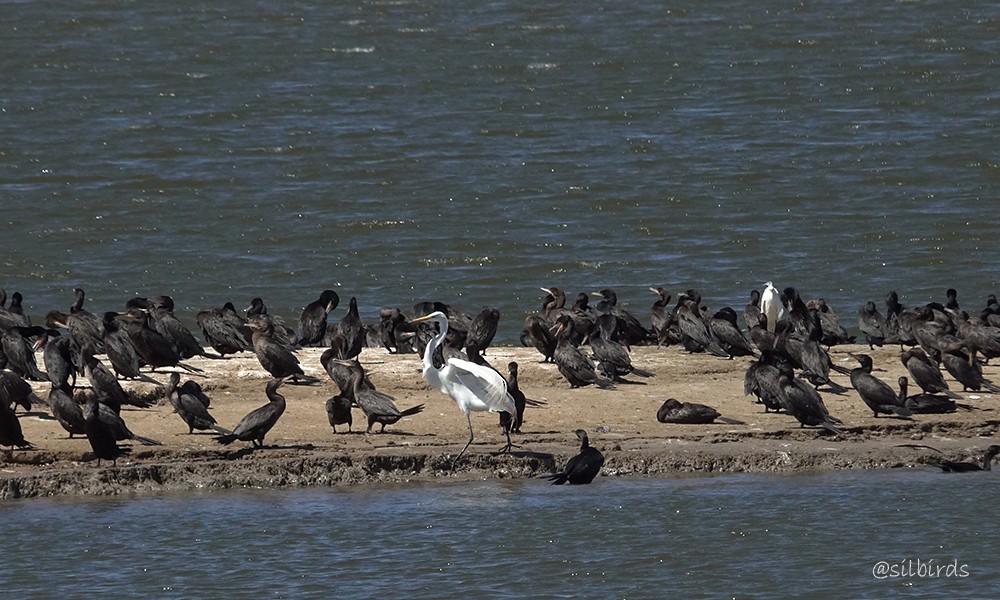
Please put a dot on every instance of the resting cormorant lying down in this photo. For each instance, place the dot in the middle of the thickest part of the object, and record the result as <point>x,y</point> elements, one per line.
<point>690,413</point>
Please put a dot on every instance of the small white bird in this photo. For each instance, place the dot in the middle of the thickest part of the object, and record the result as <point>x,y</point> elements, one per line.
<point>473,387</point>
<point>770,306</point>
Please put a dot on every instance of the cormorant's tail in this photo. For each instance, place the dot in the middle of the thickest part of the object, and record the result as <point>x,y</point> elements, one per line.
<point>189,368</point>
<point>558,478</point>
<point>841,369</point>
<point>951,394</point>
<point>412,410</point>
<point>301,379</point>
<point>226,439</point>
<point>145,441</point>
<point>222,430</point>
<point>989,385</point>
<point>641,372</point>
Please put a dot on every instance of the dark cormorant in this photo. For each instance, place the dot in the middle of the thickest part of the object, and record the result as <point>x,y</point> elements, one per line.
<point>18,352</point>
<point>484,328</point>
<point>968,373</point>
<point>15,391</point>
<point>752,313</point>
<point>872,325</point>
<point>222,333</point>
<point>875,393</point>
<point>65,410</point>
<point>612,357</point>
<point>274,357</point>
<point>105,384</point>
<point>352,330</point>
<point>831,332</point>
<point>662,315</point>
<point>514,389</point>
<point>926,403</point>
<point>690,413</point>
<point>539,336</point>
<point>575,366</point>
<point>803,402</point>
<point>117,425</point>
<point>170,327</point>
<point>11,318</point>
<point>694,328</point>
<point>102,439</point>
<point>191,408</point>
<point>258,422</point>
<point>724,328</point>
<point>631,330</point>
<point>10,429</point>
<point>85,328</point>
<point>378,407</point>
<point>120,351</point>
<point>152,347</point>
<point>583,467</point>
<point>282,335</point>
<point>312,321</point>
<point>761,380</point>
<point>925,373</point>
<point>951,466</point>
<point>338,412</point>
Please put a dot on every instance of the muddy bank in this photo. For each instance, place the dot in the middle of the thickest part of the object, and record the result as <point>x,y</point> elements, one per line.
<point>304,451</point>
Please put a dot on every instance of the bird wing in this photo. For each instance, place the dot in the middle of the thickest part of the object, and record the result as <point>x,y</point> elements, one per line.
<point>484,383</point>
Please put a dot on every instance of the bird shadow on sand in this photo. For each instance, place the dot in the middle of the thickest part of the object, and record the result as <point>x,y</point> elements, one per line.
<point>247,451</point>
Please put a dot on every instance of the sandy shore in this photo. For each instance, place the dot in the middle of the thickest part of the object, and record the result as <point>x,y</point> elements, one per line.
<point>303,450</point>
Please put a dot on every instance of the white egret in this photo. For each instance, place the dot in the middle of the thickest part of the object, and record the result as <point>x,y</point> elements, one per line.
<point>473,387</point>
<point>770,305</point>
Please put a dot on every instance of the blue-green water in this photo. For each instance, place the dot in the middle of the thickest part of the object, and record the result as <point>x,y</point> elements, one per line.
<point>400,151</point>
<point>736,536</point>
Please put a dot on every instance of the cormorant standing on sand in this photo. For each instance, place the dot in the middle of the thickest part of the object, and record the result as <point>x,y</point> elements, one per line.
<point>876,393</point>
<point>574,365</point>
<point>583,467</point>
<point>191,409</point>
<point>258,422</point>
<point>312,321</point>
<point>273,356</point>
<point>102,439</point>
<point>378,407</point>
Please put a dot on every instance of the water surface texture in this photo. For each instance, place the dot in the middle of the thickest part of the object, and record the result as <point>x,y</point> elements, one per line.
<point>400,151</point>
<point>736,536</point>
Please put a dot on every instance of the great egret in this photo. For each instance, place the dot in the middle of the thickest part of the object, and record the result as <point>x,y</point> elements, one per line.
<point>770,305</point>
<point>473,387</point>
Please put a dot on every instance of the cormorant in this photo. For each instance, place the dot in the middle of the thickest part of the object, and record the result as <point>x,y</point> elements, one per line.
<point>222,333</point>
<point>352,330</point>
<point>191,408</point>
<point>484,328</point>
<point>15,391</point>
<point>377,406</point>
<point>872,324</point>
<point>803,402</point>
<point>661,315</point>
<point>926,403</point>
<point>258,422</point>
<point>18,353</point>
<point>10,429</point>
<point>583,467</point>
<point>575,366</point>
<point>274,357</point>
<point>338,412</point>
<point>65,410</point>
<point>152,347</point>
<point>968,373</point>
<point>875,393</point>
<point>120,351</point>
<point>612,357</point>
<point>694,328</point>
<point>690,413</point>
<point>102,439</point>
<point>312,321</point>
<point>752,312</point>
<point>539,336</point>
<point>925,373</point>
<point>724,328</point>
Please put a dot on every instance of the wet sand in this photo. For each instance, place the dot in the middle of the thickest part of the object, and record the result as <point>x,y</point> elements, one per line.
<point>302,449</point>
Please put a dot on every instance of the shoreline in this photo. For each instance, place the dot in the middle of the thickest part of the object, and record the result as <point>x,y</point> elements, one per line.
<point>302,449</point>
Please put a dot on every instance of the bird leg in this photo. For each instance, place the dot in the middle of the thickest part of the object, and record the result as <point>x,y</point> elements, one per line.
<point>468,417</point>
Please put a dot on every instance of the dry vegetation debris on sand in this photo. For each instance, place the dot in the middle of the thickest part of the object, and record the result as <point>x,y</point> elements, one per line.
<point>303,450</point>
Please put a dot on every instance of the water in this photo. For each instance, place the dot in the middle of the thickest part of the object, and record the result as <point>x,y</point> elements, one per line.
<point>742,536</point>
<point>400,151</point>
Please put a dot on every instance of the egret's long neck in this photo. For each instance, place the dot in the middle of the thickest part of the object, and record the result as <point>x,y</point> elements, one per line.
<point>430,371</point>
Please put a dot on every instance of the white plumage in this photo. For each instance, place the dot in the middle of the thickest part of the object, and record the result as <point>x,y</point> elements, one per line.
<point>473,387</point>
<point>770,306</point>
